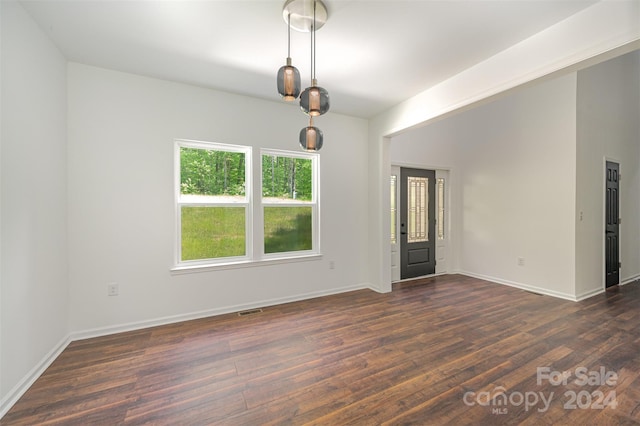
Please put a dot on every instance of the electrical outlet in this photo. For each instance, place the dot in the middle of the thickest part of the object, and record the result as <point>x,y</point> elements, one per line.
<point>521,261</point>
<point>332,264</point>
<point>112,289</point>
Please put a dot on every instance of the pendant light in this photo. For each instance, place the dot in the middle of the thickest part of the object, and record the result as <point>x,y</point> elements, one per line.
<point>314,100</point>
<point>311,137</point>
<point>288,75</point>
<point>306,16</point>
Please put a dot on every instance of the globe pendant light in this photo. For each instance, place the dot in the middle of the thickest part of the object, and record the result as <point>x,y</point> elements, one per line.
<point>288,75</point>
<point>314,100</point>
<point>311,137</point>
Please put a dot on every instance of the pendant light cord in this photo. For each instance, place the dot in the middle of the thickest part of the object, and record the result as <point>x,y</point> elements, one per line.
<point>313,33</point>
<point>289,35</point>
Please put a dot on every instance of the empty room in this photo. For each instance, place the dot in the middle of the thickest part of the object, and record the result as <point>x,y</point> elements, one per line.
<point>320,212</point>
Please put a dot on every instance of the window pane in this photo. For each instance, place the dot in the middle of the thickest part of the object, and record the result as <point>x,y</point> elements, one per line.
<point>212,232</point>
<point>393,208</point>
<point>208,172</point>
<point>440,189</point>
<point>286,178</point>
<point>418,213</point>
<point>287,229</point>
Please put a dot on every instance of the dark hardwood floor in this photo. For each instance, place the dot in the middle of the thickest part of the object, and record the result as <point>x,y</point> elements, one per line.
<point>445,350</point>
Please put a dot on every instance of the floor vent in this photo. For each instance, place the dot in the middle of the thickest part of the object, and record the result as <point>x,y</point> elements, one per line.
<point>249,312</point>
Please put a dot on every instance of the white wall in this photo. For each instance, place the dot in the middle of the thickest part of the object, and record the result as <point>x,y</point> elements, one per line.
<point>608,125</point>
<point>602,31</point>
<point>33,280</point>
<point>513,184</point>
<point>436,147</point>
<point>121,211</point>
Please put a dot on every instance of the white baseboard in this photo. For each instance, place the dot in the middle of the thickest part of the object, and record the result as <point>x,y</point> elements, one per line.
<point>578,297</point>
<point>630,280</point>
<point>419,278</point>
<point>14,395</point>
<point>139,325</point>
<point>589,293</point>
<point>593,292</point>
<point>521,286</point>
<point>23,385</point>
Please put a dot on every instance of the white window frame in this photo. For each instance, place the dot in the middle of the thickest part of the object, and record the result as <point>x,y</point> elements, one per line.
<point>314,203</point>
<point>246,203</point>
<point>254,210</point>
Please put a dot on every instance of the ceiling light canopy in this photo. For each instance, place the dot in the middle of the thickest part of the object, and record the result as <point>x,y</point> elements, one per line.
<point>301,12</point>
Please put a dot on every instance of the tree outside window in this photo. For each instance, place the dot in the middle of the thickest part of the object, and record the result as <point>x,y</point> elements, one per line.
<point>215,205</point>
<point>212,201</point>
<point>288,201</point>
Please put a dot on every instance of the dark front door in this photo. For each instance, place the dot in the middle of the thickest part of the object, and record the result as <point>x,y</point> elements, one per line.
<point>417,223</point>
<point>612,257</point>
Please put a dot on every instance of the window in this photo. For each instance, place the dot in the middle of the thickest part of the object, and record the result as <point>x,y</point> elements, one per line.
<point>212,201</point>
<point>222,220</point>
<point>394,213</point>
<point>289,201</point>
<point>440,191</point>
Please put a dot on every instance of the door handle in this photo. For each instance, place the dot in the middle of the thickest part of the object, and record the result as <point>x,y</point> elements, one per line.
<point>403,233</point>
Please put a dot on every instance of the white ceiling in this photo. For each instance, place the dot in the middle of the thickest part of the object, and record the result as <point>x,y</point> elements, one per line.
<point>371,55</point>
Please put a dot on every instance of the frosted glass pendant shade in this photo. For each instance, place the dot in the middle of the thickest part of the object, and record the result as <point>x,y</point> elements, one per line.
<point>311,138</point>
<point>289,82</point>
<point>314,101</point>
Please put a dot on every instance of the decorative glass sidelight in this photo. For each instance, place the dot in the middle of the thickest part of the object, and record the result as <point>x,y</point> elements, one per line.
<point>418,216</point>
<point>394,210</point>
<point>440,191</point>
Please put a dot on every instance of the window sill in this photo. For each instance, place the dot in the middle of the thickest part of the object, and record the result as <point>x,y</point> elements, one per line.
<point>190,269</point>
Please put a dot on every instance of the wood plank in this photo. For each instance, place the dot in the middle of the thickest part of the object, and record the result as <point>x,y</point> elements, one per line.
<point>405,357</point>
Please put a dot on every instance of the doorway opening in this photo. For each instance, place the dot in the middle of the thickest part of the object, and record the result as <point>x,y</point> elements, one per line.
<point>418,222</point>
